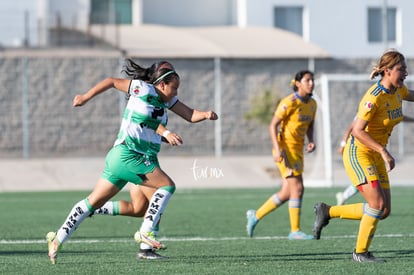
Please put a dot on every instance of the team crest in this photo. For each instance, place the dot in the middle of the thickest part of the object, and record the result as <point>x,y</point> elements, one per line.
<point>370,170</point>
<point>284,107</point>
<point>368,105</point>
<point>136,90</point>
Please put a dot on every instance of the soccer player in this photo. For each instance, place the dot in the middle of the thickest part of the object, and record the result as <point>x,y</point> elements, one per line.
<point>351,190</point>
<point>140,195</point>
<point>366,158</point>
<point>133,158</point>
<point>293,120</point>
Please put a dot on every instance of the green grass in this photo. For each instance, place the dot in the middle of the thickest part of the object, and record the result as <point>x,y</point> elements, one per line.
<point>205,234</point>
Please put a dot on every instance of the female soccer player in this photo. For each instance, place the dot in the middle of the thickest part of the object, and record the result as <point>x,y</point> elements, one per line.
<point>293,120</point>
<point>141,195</point>
<point>133,158</point>
<point>366,158</point>
<point>351,190</point>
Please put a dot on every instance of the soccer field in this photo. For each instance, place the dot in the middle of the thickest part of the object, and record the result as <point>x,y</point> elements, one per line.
<point>204,231</point>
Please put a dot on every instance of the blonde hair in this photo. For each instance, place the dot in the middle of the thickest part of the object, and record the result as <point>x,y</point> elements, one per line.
<point>388,60</point>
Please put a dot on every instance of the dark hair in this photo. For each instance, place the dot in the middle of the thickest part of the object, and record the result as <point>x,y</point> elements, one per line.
<point>298,77</point>
<point>163,74</point>
<point>161,70</point>
<point>135,71</point>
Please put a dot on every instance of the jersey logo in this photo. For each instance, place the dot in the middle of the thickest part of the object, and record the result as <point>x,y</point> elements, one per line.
<point>371,170</point>
<point>136,90</point>
<point>368,105</point>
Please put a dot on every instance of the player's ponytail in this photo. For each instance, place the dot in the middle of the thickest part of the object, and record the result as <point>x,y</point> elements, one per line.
<point>388,60</point>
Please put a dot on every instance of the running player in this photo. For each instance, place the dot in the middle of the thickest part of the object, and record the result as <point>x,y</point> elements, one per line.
<point>293,120</point>
<point>133,158</point>
<point>366,158</point>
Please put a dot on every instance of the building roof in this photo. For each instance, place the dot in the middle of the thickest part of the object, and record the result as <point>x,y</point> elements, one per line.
<point>155,41</point>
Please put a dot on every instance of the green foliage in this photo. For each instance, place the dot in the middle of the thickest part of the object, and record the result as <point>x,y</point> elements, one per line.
<point>263,106</point>
<point>204,231</point>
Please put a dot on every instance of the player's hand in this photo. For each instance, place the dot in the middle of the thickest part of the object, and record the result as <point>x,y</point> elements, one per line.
<point>211,115</point>
<point>79,100</point>
<point>310,147</point>
<point>174,139</point>
<point>277,155</point>
<point>388,159</point>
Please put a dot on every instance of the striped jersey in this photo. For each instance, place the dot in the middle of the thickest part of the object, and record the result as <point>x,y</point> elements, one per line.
<point>142,115</point>
<point>296,115</point>
<point>382,110</point>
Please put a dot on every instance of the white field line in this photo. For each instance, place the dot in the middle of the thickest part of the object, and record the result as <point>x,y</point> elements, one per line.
<point>198,239</point>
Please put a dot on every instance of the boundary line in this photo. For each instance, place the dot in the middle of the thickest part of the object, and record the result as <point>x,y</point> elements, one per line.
<point>197,239</point>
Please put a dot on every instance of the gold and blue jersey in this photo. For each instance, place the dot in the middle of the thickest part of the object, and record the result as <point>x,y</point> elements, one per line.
<point>382,110</point>
<point>296,115</point>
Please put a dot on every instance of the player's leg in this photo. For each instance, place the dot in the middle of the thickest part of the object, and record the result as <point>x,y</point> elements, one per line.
<point>271,204</point>
<point>349,192</point>
<point>134,208</point>
<point>146,251</point>
<point>374,195</point>
<point>103,191</point>
<point>296,190</point>
<point>165,188</point>
<point>353,161</point>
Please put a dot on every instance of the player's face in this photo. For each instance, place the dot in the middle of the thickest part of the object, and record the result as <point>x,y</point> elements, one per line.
<point>306,84</point>
<point>397,74</point>
<point>170,89</point>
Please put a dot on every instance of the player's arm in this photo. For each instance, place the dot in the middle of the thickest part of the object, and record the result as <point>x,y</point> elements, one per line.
<point>408,119</point>
<point>345,137</point>
<point>273,131</point>
<point>309,134</point>
<point>192,115</point>
<point>117,83</point>
<point>358,131</point>
<point>410,96</point>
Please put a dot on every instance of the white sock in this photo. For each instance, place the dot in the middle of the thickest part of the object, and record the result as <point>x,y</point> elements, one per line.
<point>78,213</point>
<point>109,208</point>
<point>349,192</point>
<point>156,207</point>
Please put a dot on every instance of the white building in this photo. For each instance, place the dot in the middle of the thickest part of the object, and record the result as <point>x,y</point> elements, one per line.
<point>345,29</point>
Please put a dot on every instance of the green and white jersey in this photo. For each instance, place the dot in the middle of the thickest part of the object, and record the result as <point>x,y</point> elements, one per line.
<point>144,112</point>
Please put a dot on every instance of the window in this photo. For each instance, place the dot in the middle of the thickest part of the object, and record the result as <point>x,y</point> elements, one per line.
<point>375,24</point>
<point>289,18</point>
<point>111,12</point>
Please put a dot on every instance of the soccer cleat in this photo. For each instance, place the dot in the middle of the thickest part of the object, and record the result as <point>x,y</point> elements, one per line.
<point>299,235</point>
<point>366,257</point>
<point>149,239</point>
<point>53,246</point>
<point>149,254</point>
<point>251,222</point>
<point>322,218</point>
<point>339,198</point>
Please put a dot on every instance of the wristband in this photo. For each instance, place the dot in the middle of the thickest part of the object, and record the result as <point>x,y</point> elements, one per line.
<point>166,133</point>
<point>342,144</point>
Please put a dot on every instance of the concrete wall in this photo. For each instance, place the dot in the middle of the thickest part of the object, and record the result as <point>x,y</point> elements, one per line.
<point>51,127</point>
